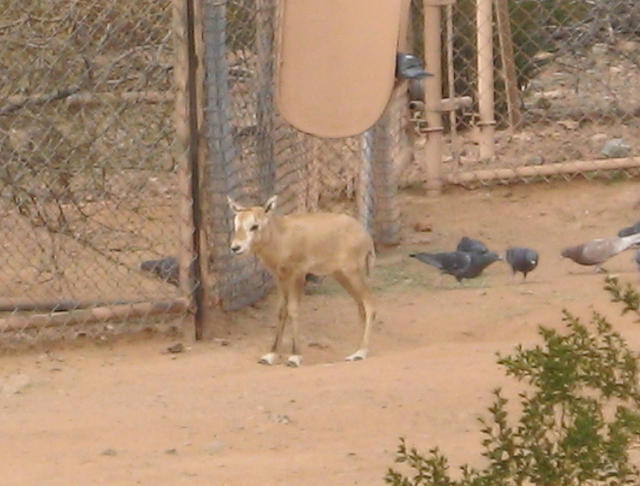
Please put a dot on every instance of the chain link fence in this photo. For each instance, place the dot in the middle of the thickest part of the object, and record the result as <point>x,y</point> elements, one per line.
<point>96,140</point>
<point>564,75</point>
<point>253,153</point>
<point>88,173</point>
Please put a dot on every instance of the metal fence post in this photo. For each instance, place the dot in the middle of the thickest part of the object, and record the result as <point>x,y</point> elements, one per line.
<point>433,95</point>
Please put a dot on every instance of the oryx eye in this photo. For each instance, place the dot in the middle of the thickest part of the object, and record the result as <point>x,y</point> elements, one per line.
<point>254,227</point>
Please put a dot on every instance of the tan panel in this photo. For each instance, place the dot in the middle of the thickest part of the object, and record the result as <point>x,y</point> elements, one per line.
<point>336,63</point>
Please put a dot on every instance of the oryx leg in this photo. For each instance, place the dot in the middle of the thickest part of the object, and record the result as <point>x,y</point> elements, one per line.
<point>271,356</point>
<point>354,283</point>
<point>296,288</point>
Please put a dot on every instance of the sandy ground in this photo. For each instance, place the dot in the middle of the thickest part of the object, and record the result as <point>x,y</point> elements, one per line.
<point>124,412</point>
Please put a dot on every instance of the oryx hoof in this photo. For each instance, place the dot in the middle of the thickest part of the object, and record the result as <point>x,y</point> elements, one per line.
<point>268,359</point>
<point>295,360</point>
<point>359,355</point>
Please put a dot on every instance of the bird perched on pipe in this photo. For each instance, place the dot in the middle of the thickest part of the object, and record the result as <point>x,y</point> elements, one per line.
<point>598,251</point>
<point>522,259</point>
<point>470,245</point>
<point>460,264</point>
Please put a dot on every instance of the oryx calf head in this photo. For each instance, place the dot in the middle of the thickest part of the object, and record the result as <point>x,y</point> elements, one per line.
<point>248,222</point>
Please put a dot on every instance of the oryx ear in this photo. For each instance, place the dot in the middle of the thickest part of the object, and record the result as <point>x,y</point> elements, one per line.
<point>235,207</point>
<point>270,205</point>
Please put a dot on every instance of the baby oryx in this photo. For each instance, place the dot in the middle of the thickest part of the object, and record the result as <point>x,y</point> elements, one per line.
<point>292,246</point>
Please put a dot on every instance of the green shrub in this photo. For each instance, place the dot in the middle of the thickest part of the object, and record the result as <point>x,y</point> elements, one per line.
<point>578,417</point>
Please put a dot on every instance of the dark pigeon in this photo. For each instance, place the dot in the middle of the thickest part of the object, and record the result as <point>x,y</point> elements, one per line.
<point>167,269</point>
<point>470,245</point>
<point>630,230</point>
<point>409,66</point>
<point>460,264</point>
<point>598,251</point>
<point>522,259</point>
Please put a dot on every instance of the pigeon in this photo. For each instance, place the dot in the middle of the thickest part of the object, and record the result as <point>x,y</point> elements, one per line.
<point>522,259</point>
<point>598,251</point>
<point>167,269</point>
<point>630,230</point>
<point>460,264</point>
<point>409,66</point>
<point>470,245</point>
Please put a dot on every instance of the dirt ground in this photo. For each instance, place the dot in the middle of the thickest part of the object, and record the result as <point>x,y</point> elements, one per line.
<point>125,412</point>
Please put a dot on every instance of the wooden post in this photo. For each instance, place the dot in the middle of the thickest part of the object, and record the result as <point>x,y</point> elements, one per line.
<point>433,95</point>
<point>508,63</point>
<point>186,125</point>
<point>484,21</point>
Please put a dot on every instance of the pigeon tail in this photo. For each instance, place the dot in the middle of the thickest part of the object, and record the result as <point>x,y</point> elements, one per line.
<point>428,258</point>
<point>626,242</point>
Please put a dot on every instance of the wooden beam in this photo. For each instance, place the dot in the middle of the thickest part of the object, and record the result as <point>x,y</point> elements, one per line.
<point>97,314</point>
<point>511,174</point>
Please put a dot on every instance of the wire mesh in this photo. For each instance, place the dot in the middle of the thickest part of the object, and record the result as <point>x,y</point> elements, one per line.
<point>88,172</point>
<point>253,153</point>
<point>574,66</point>
<point>89,179</point>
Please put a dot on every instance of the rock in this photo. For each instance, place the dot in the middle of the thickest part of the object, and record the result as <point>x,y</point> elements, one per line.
<point>176,348</point>
<point>569,124</point>
<point>422,227</point>
<point>598,138</point>
<point>534,160</point>
<point>214,446</point>
<point>14,384</point>
<point>109,452</point>
<point>616,147</point>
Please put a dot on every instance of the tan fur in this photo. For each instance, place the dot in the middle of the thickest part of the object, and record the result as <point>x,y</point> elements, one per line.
<point>292,246</point>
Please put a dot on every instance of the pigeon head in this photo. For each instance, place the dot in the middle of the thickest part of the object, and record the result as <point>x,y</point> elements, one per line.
<point>571,252</point>
<point>492,256</point>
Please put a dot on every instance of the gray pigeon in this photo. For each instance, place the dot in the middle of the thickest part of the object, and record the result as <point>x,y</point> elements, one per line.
<point>460,264</point>
<point>522,259</point>
<point>630,230</point>
<point>598,251</point>
<point>167,269</point>
<point>470,245</point>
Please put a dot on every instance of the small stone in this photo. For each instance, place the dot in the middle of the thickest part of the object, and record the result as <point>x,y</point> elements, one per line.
<point>14,384</point>
<point>422,227</point>
<point>616,147</point>
<point>535,160</point>
<point>109,452</point>
<point>214,446</point>
<point>176,348</point>
<point>171,452</point>
<point>569,124</point>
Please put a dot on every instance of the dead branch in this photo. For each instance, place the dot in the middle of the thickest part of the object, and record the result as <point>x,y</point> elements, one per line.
<point>72,96</point>
<point>39,99</point>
